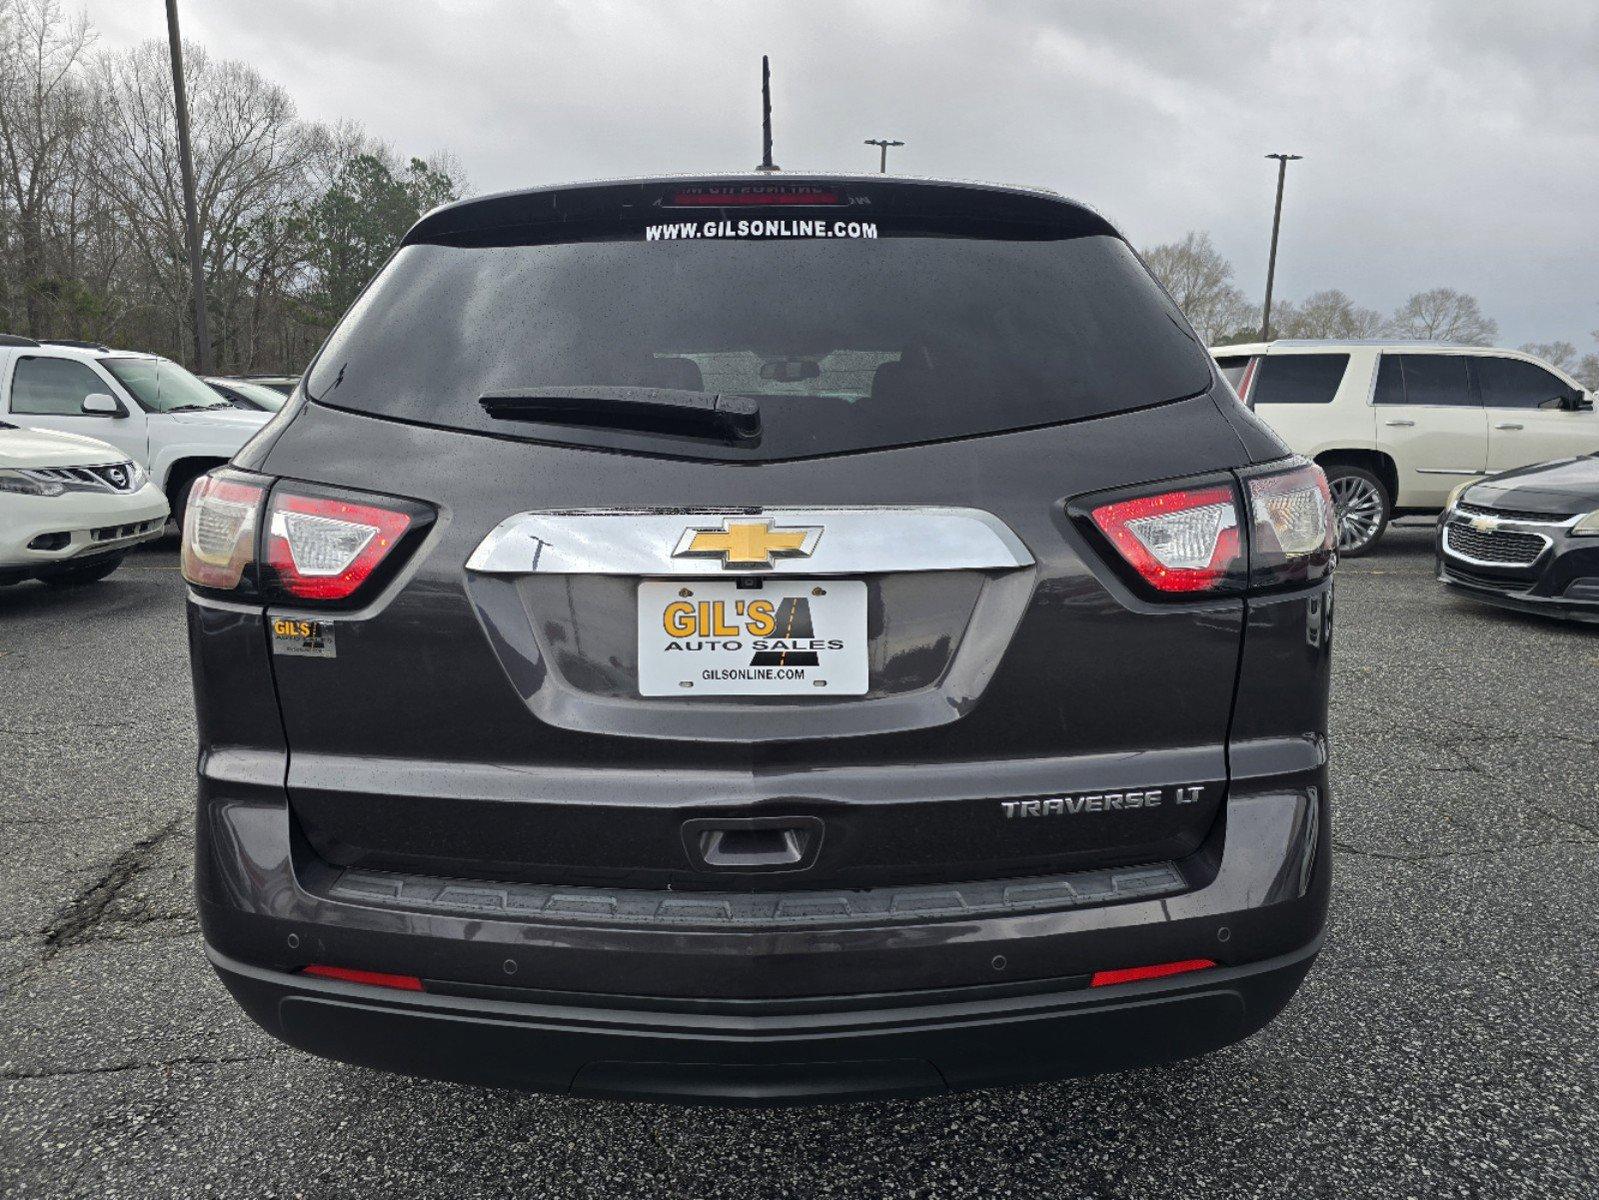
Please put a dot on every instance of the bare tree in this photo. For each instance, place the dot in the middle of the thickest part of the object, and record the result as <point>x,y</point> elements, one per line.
<point>43,114</point>
<point>1200,280</point>
<point>1445,315</point>
<point>1329,314</point>
<point>251,161</point>
<point>1558,353</point>
<point>1587,372</point>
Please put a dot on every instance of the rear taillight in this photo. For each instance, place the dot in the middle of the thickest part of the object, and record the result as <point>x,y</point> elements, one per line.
<point>1186,540</point>
<point>322,548</point>
<point>316,546</point>
<point>219,529</point>
<point>1292,528</point>
<point>1207,538</point>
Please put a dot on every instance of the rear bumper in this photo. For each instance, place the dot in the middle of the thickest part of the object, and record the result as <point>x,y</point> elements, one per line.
<point>766,1054</point>
<point>782,1013</point>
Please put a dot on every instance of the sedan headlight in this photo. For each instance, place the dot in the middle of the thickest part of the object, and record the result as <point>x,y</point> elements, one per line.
<point>1588,526</point>
<point>20,483</point>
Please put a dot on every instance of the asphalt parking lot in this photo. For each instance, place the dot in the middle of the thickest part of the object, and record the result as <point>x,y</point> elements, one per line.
<point>1447,1043</point>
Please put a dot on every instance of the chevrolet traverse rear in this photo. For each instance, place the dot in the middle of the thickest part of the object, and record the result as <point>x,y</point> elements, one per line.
<point>761,640</point>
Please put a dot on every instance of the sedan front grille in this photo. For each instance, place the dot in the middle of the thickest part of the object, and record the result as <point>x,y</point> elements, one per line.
<point>1493,548</point>
<point>1509,514</point>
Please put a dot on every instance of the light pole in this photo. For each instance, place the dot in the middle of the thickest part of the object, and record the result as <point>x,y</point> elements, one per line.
<point>1276,223</point>
<point>882,144</point>
<point>191,211</point>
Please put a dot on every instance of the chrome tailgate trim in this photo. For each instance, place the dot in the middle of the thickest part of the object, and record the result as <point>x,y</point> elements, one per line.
<point>840,541</point>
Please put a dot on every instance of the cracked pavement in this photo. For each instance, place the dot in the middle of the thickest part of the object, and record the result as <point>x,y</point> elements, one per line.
<point>1446,1044</point>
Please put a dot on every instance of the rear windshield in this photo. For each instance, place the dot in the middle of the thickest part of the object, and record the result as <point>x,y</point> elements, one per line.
<point>849,334</point>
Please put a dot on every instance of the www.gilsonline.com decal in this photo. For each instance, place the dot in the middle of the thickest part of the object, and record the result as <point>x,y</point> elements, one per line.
<point>760,229</point>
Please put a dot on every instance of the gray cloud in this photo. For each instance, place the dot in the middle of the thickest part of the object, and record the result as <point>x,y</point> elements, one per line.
<point>1451,142</point>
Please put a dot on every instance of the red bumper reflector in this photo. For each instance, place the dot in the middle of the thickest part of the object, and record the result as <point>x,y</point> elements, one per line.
<point>405,983</point>
<point>1134,974</point>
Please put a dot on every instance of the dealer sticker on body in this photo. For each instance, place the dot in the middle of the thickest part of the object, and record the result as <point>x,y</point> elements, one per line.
<point>785,637</point>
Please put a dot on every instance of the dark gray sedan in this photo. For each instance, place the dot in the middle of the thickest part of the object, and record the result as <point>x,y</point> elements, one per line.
<point>1527,539</point>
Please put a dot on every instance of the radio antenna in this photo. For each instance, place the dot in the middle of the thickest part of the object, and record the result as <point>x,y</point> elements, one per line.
<point>767,165</point>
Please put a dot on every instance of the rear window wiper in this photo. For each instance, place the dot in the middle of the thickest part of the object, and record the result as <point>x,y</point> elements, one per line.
<point>645,409</point>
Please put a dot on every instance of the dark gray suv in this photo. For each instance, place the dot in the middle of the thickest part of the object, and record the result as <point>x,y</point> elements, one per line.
<point>762,639</point>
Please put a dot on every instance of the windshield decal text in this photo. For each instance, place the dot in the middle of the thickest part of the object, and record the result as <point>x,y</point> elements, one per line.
<point>678,230</point>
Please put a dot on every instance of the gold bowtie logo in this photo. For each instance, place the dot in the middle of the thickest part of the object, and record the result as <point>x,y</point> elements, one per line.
<point>1485,524</point>
<point>748,543</point>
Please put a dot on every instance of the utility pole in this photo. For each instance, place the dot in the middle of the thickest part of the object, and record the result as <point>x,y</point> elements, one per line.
<point>767,166</point>
<point>1276,223</point>
<point>883,145</point>
<point>191,211</point>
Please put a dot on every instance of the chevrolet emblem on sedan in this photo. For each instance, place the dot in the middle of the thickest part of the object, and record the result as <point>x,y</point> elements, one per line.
<point>748,543</point>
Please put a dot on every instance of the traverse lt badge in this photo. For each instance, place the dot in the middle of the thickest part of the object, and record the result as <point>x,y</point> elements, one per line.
<point>748,543</point>
<point>1099,802</point>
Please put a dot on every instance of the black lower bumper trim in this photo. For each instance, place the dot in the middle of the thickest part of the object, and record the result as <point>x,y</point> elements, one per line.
<point>765,1056</point>
<point>1567,607</point>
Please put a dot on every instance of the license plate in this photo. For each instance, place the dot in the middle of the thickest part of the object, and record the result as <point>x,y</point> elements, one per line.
<point>787,637</point>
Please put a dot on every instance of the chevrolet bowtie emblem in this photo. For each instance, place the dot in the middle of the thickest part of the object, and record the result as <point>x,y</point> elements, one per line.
<point>1485,524</point>
<point>748,543</point>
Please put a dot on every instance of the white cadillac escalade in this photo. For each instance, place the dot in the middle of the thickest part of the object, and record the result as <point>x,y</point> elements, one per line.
<point>1398,426</point>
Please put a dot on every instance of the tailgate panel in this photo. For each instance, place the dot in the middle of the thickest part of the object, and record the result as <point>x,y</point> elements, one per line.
<point>487,725</point>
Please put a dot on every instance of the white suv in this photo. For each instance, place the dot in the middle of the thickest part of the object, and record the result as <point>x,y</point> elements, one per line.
<point>163,418</point>
<point>70,507</point>
<point>1398,425</point>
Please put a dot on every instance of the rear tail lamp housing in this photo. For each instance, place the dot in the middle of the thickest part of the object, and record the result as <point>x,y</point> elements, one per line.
<point>1293,528</point>
<point>1182,540</point>
<point>1218,535</point>
<point>219,531</point>
<point>301,544</point>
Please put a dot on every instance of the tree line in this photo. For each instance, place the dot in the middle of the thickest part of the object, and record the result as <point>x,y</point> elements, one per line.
<point>1200,279</point>
<point>295,216</point>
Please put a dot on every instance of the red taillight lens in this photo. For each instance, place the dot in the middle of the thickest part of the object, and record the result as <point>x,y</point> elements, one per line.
<point>1293,531</point>
<point>1247,379</point>
<point>1158,971</point>
<point>322,548</point>
<point>219,531</point>
<point>404,983</point>
<point>1178,541</point>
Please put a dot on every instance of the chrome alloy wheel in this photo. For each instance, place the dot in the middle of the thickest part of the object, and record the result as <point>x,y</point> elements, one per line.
<point>1358,505</point>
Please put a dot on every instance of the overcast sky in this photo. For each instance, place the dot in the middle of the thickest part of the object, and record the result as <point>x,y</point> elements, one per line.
<point>1451,144</point>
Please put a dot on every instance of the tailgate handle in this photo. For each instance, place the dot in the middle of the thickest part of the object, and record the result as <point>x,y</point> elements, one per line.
<point>754,843</point>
